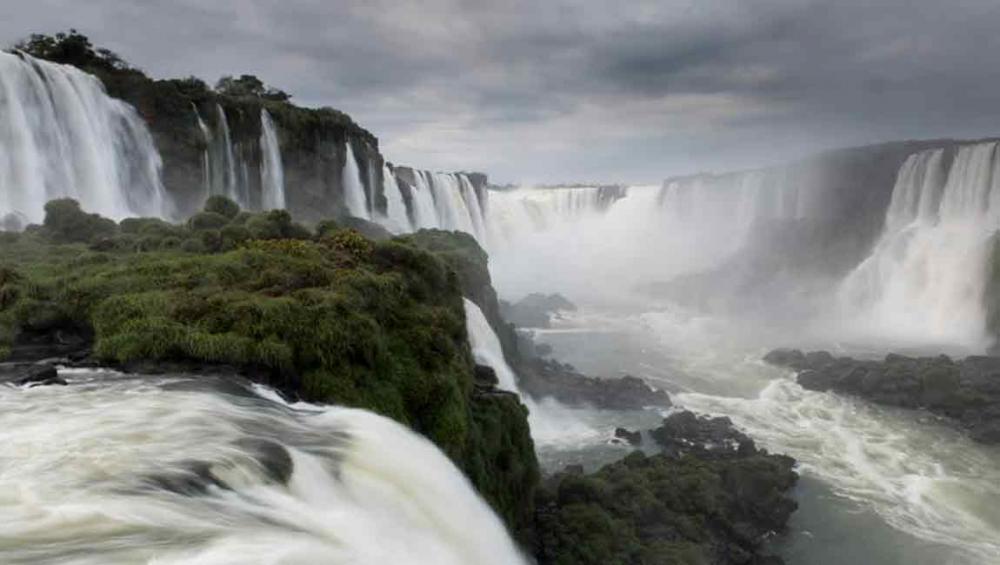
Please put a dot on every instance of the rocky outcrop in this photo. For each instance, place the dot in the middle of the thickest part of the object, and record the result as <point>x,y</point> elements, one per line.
<point>711,497</point>
<point>966,392</point>
<point>543,378</point>
<point>40,374</point>
<point>535,310</point>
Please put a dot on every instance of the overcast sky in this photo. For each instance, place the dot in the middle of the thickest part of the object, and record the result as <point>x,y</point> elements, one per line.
<point>560,90</point>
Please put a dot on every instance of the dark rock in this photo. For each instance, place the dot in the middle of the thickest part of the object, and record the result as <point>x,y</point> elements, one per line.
<point>485,376</point>
<point>683,433</point>
<point>967,391</point>
<point>535,310</point>
<point>30,375</point>
<point>542,378</point>
<point>632,438</point>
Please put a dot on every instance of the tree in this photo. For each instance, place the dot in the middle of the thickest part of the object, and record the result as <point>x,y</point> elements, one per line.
<point>249,86</point>
<point>72,48</point>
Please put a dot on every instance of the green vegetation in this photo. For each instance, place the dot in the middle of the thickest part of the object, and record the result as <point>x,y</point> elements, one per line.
<point>332,317</point>
<point>660,510</point>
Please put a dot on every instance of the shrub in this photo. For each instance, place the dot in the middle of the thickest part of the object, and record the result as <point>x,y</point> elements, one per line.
<point>65,222</point>
<point>222,206</point>
<point>207,221</point>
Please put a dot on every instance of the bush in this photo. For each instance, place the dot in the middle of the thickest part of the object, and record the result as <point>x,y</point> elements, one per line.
<point>65,222</point>
<point>233,236</point>
<point>207,221</point>
<point>222,206</point>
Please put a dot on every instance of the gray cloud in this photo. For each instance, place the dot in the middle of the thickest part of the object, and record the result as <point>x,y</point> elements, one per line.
<point>574,89</point>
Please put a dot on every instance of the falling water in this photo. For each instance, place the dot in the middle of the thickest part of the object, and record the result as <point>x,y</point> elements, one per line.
<point>226,174</point>
<point>354,191</point>
<point>924,281</point>
<point>272,174</point>
<point>486,347</point>
<point>206,159</point>
<point>396,219</point>
<point>424,213</point>
<point>62,136</point>
<point>113,469</point>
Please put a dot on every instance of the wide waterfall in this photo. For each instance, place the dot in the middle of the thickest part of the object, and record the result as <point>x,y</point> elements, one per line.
<point>354,190</point>
<point>62,137</point>
<point>272,174</point>
<point>926,277</point>
<point>203,470</point>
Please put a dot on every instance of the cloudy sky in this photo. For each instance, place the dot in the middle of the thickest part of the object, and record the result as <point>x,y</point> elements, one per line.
<point>559,90</point>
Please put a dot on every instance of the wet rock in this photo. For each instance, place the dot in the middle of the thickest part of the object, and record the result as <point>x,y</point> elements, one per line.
<point>544,378</point>
<point>628,436</point>
<point>683,433</point>
<point>485,376</point>
<point>967,392</point>
<point>42,374</point>
<point>535,310</point>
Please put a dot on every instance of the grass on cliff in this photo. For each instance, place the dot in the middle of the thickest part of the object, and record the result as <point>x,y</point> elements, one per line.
<point>334,317</point>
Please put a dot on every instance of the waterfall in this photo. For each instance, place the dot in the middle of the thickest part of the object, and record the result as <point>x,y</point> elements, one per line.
<point>354,191</point>
<point>226,178</point>
<point>272,174</point>
<point>475,211</point>
<point>206,159</point>
<point>925,278</point>
<point>396,219</point>
<point>486,348</point>
<point>204,470</point>
<point>424,213</point>
<point>62,136</point>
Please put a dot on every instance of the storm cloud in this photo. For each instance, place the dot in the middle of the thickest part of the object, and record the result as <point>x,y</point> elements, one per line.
<point>581,90</point>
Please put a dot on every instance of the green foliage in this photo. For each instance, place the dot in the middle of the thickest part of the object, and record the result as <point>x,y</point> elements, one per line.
<point>326,227</point>
<point>65,222</point>
<point>222,206</point>
<point>71,48</point>
<point>207,221</point>
<point>249,86</point>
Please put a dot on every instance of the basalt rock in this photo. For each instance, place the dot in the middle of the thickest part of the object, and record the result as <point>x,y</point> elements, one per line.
<point>41,374</point>
<point>628,436</point>
<point>966,391</point>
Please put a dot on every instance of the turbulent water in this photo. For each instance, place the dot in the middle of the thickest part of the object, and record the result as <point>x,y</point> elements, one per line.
<point>62,136</point>
<point>117,469</point>
<point>879,485</point>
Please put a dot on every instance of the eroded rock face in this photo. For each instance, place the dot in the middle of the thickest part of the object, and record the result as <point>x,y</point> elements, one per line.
<point>966,391</point>
<point>535,310</point>
<point>711,497</point>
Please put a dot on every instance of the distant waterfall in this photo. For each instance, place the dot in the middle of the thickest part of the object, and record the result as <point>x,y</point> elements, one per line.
<point>354,190</point>
<point>424,213</point>
<point>272,174</point>
<point>926,276</point>
<point>227,473</point>
<point>225,175</point>
<point>486,348</point>
<point>62,136</point>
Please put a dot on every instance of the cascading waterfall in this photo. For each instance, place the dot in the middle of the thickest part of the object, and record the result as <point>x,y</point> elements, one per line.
<point>272,174</point>
<point>354,190</point>
<point>62,136</point>
<point>206,157</point>
<point>424,213</point>
<point>225,175</point>
<point>211,471</point>
<point>924,281</point>
<point>486,348</point>
<point>396,219</point>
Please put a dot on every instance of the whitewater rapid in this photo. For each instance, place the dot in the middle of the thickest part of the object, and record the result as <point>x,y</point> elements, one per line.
<point>119,469</point>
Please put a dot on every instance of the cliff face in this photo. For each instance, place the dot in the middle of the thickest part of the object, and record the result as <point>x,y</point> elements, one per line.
<point>313,143</point>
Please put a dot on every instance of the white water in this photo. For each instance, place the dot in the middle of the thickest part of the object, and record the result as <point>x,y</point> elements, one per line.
<point>85,469</point>
<point>62,136</point>
<point>396,219</point>
<point>486,347</point>
<point>925,279</point>
<point>354,191</point>
<point>206,156</point>
<point>272,173</point>
<point>225,175</point>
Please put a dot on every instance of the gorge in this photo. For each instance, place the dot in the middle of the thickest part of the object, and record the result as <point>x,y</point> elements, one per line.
<point>269,340</point>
